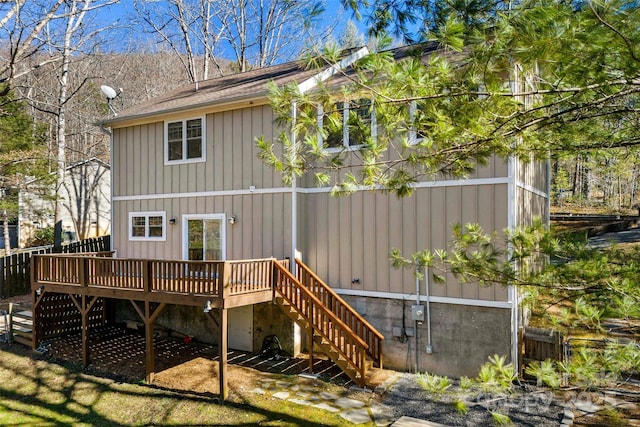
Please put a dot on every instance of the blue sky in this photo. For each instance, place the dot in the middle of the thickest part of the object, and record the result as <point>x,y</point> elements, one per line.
<point>333,11</point>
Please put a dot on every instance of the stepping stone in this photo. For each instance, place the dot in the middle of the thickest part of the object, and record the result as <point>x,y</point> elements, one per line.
<point>328,396</point>
<point>282,395</point>
<point>357,416</point>
<point>300,402</point>
<point>415,422</point>
<point>258,390</point>
<point>346,403</point>
<point>326,407</point>
<point>282,384</point>
<point>382,415</point>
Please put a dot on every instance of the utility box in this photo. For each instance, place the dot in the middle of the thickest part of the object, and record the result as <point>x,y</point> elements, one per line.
<point>417,313</point>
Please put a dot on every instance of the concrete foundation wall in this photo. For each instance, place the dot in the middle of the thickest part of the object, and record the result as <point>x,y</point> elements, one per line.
<point>462,336</point>
<point>269,319</point>
<point>185,320</point>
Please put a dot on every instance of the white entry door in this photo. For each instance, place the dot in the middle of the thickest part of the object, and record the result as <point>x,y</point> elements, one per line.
<point>204,240</point>
<point>241,328</point>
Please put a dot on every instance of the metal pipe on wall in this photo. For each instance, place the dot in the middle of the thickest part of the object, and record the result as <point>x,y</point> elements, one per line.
<point>415,322</point>
<point>428,310</point>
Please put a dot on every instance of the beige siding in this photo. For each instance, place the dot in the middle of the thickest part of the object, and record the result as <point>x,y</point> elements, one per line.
<point>530,206</point>
<point>350,237</point>
<point>231,157</point>
<point>533,174</point>
<point>242,239</point>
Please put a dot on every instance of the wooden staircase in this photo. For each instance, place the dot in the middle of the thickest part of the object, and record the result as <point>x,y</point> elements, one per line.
<point>22,327</point>
<point>19,325</point>
<point>334,326</point>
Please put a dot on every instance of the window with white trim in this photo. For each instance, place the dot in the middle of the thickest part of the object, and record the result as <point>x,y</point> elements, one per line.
<point>416,132</point>
<point>184,140</point>
<point>147,225</point>
<point>347,125</point>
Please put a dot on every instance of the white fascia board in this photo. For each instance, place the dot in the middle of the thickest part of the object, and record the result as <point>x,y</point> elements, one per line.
<point>532,189</point>
<point>312,82</point>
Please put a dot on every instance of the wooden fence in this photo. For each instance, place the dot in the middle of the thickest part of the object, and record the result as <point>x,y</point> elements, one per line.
<point>539,345</point>
<point>15,270</point>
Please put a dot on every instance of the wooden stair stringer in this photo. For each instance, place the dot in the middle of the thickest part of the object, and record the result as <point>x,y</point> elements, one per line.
<point>330,349</point>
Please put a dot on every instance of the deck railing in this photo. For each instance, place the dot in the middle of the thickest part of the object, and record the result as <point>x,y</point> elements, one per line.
<point>210,278</point>
<point>342,310</point>
<point>323,321</point>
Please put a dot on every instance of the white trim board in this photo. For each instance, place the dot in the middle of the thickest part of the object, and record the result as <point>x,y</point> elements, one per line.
<point>435,299</point>
<point>312,190</point>
<point>531,189</point>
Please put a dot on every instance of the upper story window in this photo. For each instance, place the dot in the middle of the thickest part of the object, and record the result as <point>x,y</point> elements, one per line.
<point>147,225</point>
<point>347,125</point>
<point>416,133</point>
<point>184,140</point>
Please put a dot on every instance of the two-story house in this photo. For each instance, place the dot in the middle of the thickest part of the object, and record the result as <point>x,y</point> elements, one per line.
<point>187,184</point>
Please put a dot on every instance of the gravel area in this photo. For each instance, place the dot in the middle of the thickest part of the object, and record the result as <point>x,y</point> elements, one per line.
<point>535,408</point>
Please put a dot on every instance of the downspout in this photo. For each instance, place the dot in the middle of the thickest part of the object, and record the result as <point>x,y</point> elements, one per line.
<point>294,190</point>
<point>427,313</point>
<point>511,224</point>
<point>512,291</point>
<point>415,322</point>
<point>297,334</point>
<point>112,210</point>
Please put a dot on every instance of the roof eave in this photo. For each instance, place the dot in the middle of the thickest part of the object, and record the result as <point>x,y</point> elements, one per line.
<point>209,106</point>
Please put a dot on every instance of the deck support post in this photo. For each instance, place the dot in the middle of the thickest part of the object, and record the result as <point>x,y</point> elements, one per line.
<point>222,345</point>
<point>84,306</point>
<point>36,329</point>
<point>148,334</point>
<point>86,349</point>
<point>149,316</point>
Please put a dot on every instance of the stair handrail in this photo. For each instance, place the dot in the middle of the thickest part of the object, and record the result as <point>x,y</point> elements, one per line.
<point>357,362</point>
<point>373,337</point>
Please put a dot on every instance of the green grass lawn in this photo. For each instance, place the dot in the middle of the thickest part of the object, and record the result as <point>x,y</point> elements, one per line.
<point>39,393</point>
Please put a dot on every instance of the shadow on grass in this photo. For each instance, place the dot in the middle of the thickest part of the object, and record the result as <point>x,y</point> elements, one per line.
<point>38,392</point>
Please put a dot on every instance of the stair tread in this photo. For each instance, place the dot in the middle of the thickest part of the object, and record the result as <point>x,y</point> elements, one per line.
<point>338,346</point>
<point>22,340</point>
<point>23,313</point>
<point>19,328</point>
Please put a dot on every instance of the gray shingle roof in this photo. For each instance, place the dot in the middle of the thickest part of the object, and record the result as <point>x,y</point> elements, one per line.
<point>250,84</point>
<point>242,86</point>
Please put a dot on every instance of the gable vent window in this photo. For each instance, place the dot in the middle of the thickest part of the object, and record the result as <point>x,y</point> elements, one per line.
<point>184,141</point>
<point>147,225</point>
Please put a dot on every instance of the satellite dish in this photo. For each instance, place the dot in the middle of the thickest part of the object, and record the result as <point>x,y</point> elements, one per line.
<point>109,92</point>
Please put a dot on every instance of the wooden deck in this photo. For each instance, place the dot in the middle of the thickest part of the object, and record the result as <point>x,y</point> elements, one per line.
<point>71,293</point>
<point>225,284</point>
<point>62,284</point>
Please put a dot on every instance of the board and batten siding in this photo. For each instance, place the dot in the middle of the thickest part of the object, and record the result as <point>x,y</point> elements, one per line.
<point>142,182</point>
<point>262,230</point>
<point>349,238</point>
<point>533,174</point>
<point>530,206</point>
<point>231,157</point>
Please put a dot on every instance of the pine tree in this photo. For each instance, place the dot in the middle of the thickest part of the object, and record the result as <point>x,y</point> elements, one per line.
<point>23,158</point>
